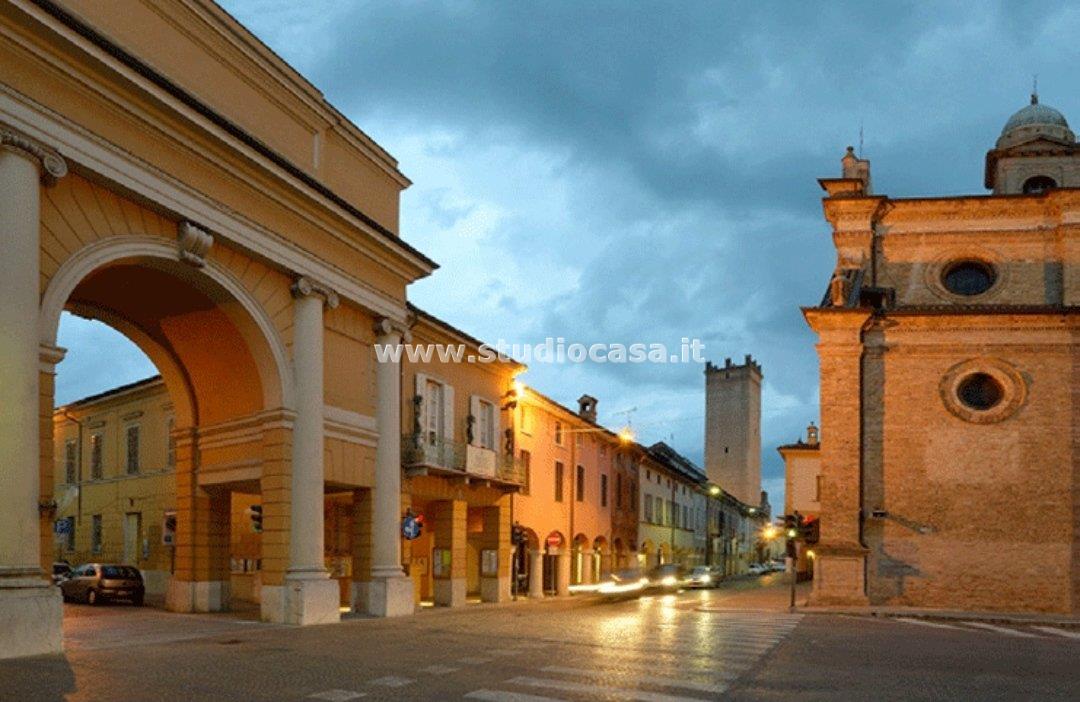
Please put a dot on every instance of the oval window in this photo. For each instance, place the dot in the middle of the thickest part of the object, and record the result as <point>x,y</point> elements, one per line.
<point>980,391</point>
<point>968,278</point>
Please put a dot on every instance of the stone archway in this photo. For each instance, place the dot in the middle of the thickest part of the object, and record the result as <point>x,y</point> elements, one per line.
<point>227,377</point>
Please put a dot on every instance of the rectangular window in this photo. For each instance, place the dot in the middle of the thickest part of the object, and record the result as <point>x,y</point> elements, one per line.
<point>633,494</point>
<point>686,516</point>
<point>170,442</point>
<point>96,440</point>
<point>485,424</point>
<point>526,459</point>
<point>559,481</point>
<point>433,412</point>
<point>526,420</point>
<point>675,520</point>
<point>558,433</point>
<point>70,545</point>
<point>618,490</point>
<point>95,533</point>
<point>69,461</point>
<point>603,491</point>
<point>580,487</point>
<point>648,508</point>
<point>133,449</point>
<point>817,489</point>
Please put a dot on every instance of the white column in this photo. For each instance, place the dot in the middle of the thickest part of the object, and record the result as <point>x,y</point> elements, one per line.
<point>391,591</point>
<point>30,611</point>
<point>536,573</point>
<point>310,597</point>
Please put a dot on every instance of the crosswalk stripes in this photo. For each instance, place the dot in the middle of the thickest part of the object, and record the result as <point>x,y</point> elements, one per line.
<point>639,680</point>
<point>656,668</point>
<point>589,689</point>
<point>503,696</point>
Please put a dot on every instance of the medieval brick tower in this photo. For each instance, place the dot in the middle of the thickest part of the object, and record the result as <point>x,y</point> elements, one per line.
<point>733,428</point>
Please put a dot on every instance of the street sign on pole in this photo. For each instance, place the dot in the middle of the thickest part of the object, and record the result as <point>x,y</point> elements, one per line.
<point>410,527</point>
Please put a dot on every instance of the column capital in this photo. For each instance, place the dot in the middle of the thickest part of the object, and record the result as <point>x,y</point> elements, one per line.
<point>50,163</point>
<point>384,326</point>
<point>49,356</point>
<point>305,287</point>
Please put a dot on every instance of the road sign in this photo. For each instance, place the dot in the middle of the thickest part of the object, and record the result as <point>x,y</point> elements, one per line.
<point>62,527</point>
<point>410,527</point>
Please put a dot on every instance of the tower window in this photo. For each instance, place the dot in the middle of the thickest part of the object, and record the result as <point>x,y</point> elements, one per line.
<point>969,278</point>
<point>1038,184</point>
<point>980,391</point>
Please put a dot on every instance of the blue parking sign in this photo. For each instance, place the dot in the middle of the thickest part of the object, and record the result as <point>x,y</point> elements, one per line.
<point>62,527</point>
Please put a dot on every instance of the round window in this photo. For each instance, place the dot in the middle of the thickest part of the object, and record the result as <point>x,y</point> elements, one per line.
<point>968,278</point>
<point>980,391</point>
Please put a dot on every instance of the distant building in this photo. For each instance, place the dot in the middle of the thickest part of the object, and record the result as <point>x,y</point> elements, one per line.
<point>733,428</point>
<point>947,341</point>
<point>802,485</point>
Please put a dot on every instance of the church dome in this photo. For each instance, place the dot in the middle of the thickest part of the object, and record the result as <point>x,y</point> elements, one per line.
<point>1034,121</point>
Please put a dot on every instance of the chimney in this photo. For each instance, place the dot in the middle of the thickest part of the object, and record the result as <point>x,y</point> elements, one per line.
<point>587,408</point>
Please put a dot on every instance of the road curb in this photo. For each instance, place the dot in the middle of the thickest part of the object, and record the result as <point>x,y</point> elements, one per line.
<point>946,615</point>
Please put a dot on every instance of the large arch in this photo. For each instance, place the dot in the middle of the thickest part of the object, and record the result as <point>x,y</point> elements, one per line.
<point>229,379</point>
<point>211,279</point>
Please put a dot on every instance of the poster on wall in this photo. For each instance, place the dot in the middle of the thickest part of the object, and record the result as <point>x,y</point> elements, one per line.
<point>489,562</point>
<point>440,563</point>
<point>168,529</point>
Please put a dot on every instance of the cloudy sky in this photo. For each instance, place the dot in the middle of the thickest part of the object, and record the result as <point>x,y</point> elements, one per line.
<point>644,171</point>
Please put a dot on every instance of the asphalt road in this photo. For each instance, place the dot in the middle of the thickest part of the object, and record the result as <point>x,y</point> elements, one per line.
<point>737,642</point>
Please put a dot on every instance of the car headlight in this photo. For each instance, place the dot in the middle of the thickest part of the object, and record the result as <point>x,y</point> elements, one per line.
<point>668,581</point>
<point>706,578</point>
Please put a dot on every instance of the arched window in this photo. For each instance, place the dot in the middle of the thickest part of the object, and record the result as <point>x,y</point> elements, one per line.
<point>1038,184</point>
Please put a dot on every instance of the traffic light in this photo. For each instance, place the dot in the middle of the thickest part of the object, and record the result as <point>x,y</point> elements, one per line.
<point>808,530</point>
<point>517,534</point>
<point>256,515</point>
<point>791,525</point>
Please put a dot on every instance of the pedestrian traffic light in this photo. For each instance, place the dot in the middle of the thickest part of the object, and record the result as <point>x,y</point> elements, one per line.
<point>256,515</point>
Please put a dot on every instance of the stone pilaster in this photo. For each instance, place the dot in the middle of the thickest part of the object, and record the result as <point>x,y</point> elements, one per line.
<point>840,569</point>
<point>275,487</point>
<point>450,536</point>
<point>30,608</point>
<point>496,588</point>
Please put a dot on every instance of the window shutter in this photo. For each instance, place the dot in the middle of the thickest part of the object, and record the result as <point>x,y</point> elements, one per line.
<point>421,388</point>
<point>448,413</point>
<point>478,424</point>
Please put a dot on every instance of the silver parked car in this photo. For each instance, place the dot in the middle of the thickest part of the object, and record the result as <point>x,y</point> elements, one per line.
<point>93,583</point>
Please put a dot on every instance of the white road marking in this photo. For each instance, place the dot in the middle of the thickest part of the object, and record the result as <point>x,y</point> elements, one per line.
<point>337,695</point>
<point>923,622</point>
<point>500,696</point>
<point>1058,632</point>
<point>622,692</point>
<point>1002,630</point>
<point>392,681</point>
<point>439,669</point>
<point>657,680</point>
<point>478,660</point>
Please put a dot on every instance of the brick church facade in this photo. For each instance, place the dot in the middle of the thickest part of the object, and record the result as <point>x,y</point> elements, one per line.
<point>949,385</point>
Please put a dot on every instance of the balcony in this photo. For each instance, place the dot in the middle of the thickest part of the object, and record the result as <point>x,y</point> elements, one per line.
<point>422,456</point>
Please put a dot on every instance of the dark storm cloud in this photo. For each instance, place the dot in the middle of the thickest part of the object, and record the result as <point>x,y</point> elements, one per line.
<point>689,137</point>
